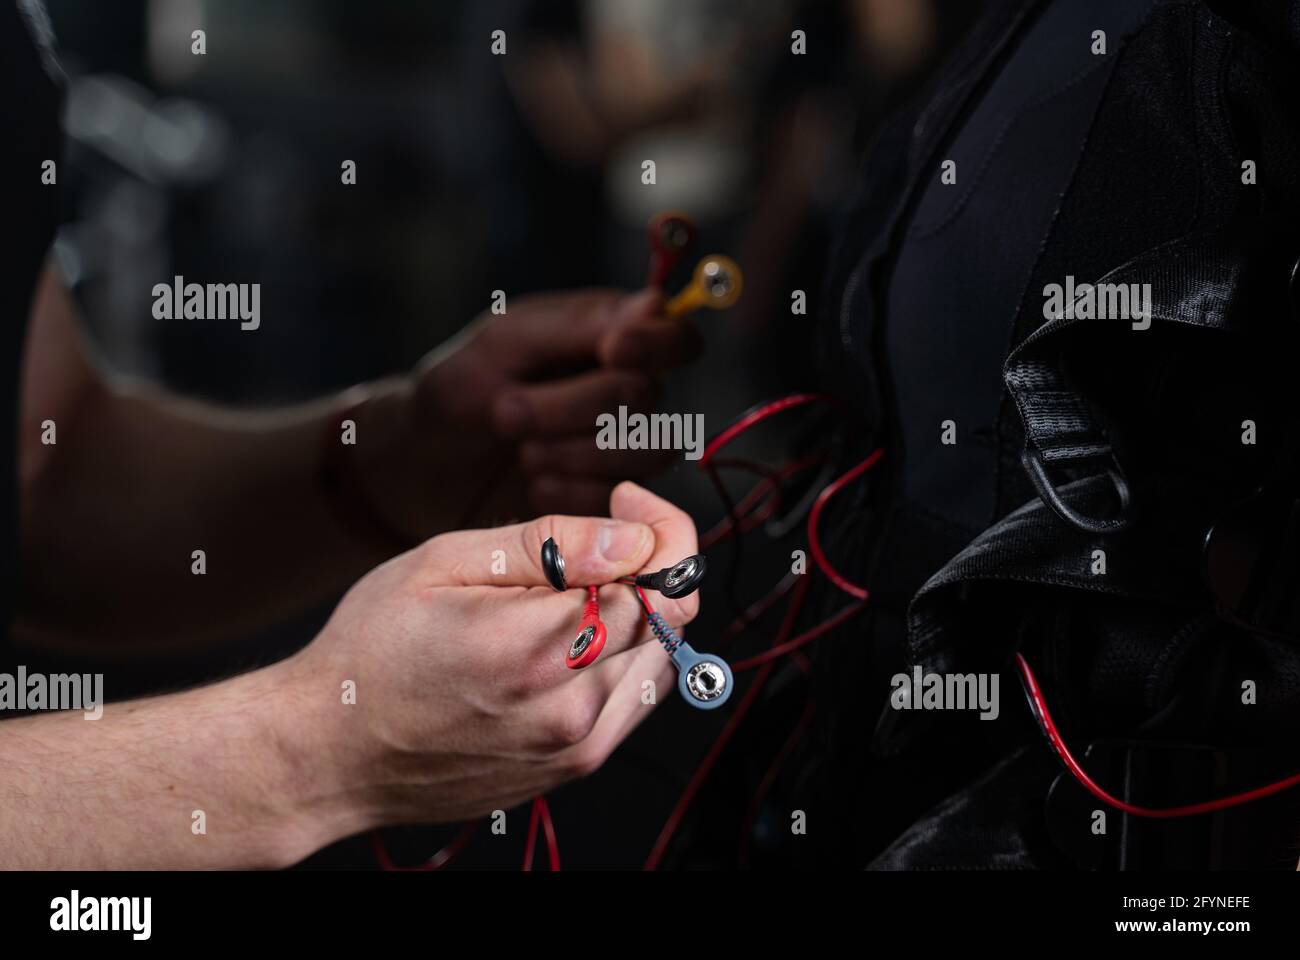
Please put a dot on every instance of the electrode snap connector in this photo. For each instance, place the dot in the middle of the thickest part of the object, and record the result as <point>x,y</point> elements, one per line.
<point>707,680</point>
<point>590,640</point>
<point>703,680</point>
<point>716,284</point>
<point>553,565</point>
<point>670,236</point>
<point>582,641</point>
<point>681,579</point>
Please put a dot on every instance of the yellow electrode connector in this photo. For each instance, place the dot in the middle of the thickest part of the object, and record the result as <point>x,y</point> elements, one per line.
<point>716,284</point>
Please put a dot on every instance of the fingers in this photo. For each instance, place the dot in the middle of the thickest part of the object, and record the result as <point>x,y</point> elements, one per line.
<point>576,718</point>
<point>646,680</point>
<point>550,328</point>
<point>571,405</point>
<point>652,346</point>
<point>605,703</point>
<point>554,701</point>
<point>594,551</point>
<point>674,538</point>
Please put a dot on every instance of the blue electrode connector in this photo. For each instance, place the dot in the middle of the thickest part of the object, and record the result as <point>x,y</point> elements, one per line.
<point>703,680</point>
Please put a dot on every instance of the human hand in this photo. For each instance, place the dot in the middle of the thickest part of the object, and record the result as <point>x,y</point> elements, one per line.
<point>463,701</point>
<point>513,403</point>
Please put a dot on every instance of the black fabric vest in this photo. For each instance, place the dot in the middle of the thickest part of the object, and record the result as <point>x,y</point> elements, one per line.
<point>1157,196</point>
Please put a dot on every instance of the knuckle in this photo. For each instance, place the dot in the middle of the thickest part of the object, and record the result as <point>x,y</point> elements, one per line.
<point>440,558</point>
<point>429,553</point>
<point>533,535</point>
<point>572,724</point>
<point>541,529</point>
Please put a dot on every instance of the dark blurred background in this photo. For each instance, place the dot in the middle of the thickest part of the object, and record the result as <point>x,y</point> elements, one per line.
<point>477,172</point>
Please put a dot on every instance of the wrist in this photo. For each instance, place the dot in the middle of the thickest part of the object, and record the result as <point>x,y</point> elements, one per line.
<point>325,795</point>
<point>358,447</point>
<point>424,462</point>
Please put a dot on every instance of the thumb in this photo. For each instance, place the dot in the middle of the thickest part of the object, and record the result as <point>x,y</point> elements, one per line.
<point>595,551</point>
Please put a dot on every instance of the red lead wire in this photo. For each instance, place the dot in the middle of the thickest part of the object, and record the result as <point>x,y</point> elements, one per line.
<point>1159,813</point>
<point>541,815</point>
<point>814,515</point>
<point>782,644</point>
<point>755,416</point>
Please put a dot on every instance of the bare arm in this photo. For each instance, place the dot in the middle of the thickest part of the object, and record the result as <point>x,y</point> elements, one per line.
<point>122,791</point>
<point>138,479</point>
<point>387,717</point>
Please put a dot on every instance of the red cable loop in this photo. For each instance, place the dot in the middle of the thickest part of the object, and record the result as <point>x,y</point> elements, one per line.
<point>541,815</point>
<point>756,416</point>
<point>790,646</point>
<point>728,731</point>
<point>783,646</point>
<point>534,817</point>
<point>814,515</point>
<point>1044,718</point>
<point>548,827</point>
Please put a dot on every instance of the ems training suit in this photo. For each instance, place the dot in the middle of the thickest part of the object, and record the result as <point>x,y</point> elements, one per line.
<point>1079,139</point>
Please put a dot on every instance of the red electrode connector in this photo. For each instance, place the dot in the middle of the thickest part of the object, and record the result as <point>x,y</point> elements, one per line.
<point>671,235</point>
<point>590,639</point>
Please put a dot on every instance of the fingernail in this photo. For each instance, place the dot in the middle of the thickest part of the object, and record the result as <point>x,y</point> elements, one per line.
<point>512,414</point>
<point>619,542</point>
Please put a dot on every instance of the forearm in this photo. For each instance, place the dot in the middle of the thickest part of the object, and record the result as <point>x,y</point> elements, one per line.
<point>122,482</point>
<point>123,791</point>
<point>137,483</point>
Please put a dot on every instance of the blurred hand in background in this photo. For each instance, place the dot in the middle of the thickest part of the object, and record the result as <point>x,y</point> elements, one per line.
<point>501,422</point>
